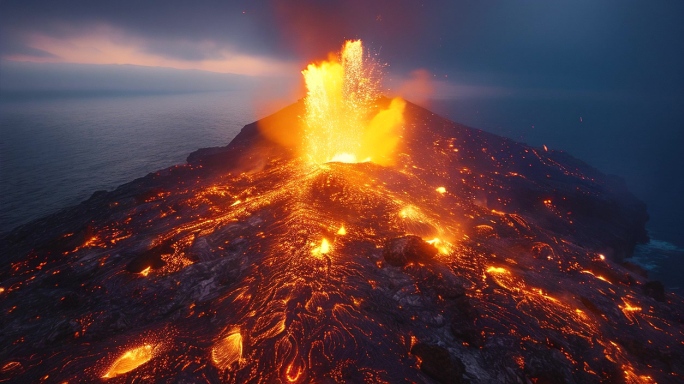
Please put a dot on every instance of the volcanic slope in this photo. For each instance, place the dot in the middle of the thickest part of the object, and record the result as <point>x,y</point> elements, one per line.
<point>472,259</point>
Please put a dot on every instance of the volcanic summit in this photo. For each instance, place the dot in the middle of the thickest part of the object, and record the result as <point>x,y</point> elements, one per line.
<point>439,253</point>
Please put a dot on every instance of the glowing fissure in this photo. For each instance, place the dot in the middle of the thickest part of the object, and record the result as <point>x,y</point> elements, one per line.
<point>227,351</point>
<point>130,360</point>
<point>342,123</point>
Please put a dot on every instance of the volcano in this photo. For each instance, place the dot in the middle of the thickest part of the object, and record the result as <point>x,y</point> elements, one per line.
<point>471,259</point>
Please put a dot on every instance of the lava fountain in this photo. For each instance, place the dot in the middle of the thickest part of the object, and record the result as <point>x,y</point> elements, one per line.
<point>342,123</point>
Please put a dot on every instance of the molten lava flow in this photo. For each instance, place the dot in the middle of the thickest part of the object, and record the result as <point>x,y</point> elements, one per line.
<point>341,122</point>
<point>227,351</point>
<point>130,360</point>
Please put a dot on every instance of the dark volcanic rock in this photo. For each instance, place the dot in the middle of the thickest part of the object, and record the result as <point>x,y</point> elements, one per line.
<point>436,362</point>
<point>235,268</point>
<point>655,289</point>
<point>406,249</point>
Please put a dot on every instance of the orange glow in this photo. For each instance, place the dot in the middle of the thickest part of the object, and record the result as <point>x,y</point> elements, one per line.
<point>506,279</point>
<point>542,294</point>
<point>321,250</point>
<point>227,351</point>
<point>410,212</point>
<point>145,271</point>
<point>339,125</point>
<point>597,276</point>
<point>293,374</point>
<point>496,270</point>
<point>10,366</point>
<point>130,360</point>
<point>340,232</point>
<point>441,190</point>
<point>418,88</point>
<point>630,311</point>
<point>632,377</point>
<point>325,247</point>
<point>442,246</point>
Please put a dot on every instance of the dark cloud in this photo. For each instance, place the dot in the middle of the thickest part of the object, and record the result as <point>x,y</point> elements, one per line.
<point>224,22</point>
<point>605,44</point>
<point>17,48</point>
<point>186,50</point>
<point>26,78</point>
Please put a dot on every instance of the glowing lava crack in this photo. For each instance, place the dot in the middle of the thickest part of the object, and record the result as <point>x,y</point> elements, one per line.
<point>471,258</point>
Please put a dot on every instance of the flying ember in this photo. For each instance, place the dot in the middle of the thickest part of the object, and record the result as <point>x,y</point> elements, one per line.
<point>342,123</point>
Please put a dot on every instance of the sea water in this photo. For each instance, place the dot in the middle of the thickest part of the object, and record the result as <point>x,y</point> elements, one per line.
<point>56,150</point>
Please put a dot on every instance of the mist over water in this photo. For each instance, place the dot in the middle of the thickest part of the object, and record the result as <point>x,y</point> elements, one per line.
<point>56,150</point>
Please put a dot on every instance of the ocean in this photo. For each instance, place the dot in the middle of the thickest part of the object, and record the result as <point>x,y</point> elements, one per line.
<point>57,149</point>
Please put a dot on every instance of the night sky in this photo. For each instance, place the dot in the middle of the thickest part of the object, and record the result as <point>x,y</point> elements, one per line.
<point>628,46</point>
<point>617,64</point>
